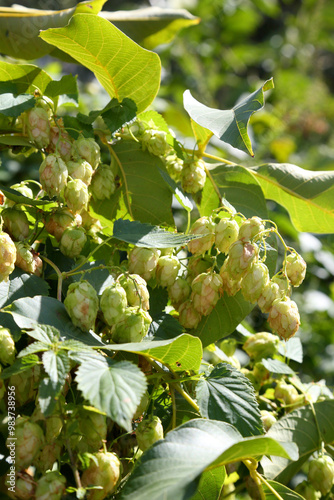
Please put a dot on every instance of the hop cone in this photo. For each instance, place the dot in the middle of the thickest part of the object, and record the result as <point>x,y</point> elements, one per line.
<point>226,233</point>
<point>61,219</point>
<point>250,228</point>
<point>254,282</point>
<point>29,440</point>
<point>261,345</point>
<point>80,169</point>
<point>321,474</point>
<point>143,261</point>
<point>284,318</point>
<point>82,304</point>
<point>240,258</point>
<point>7,256</point>
<point>76,195</point>
<point>277,288</point>
<point>179,292</point>
<point>53,175</point>
<point>136,290</point>
<point>27,260</point>
<point>87,149</point>
<point>196,266</point>
<point>204,226</point>
<point>287,393</point>
<point>49,454</point>
<point>155,141</point>
<point>103,182</point>
<point>174,166</point>
<point>230,285</point>
<point>268,419</point>
<point>16,223</point>
<point>189,317</point>
<point>7,347</point>
<point>113,303</point>
<point>205,292</point>
<point>167,270</point>
<point>132,327</point>
<point>38,127</point>
<point>105,473</point>
<point>193,176</point>
<point>52,486</point>
<point>72,241</point>
<point>60,142</point>
<point>26,384</point>
<point>306,490</point>
<point>93,428</point>
<point>295,268</point>
<point>24,487</point>
<point>148,432</point>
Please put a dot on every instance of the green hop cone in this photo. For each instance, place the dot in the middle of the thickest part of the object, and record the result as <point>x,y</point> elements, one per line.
<point>254,281</point>
<point>136,290</point>
<point>240,258</point>
<point>60,141</point>
<point>189,317</point>
<point>59,220</point>
<point>29,440</point>
<point>306,490</point>
<point>193,176</point>
<point>105,473</point>
<point>38,127</point>
<point>174,166</point>
<point>103,182</point>
<point>295,268</point>
<point>321,474</point>
<point>204,226</point>
<point>7,347</point>
<point>287,393</point>
<point>179,292</point>
<point>80,169</point>
<point>53,175</point>
<point>196,266</point>
<point>155,141</point>
<point>230,285</point>
<point>87,149</point>
<point>113,303</point>
<point>132,327</point>
<point>277,288</point>
<point>76,195</point>
<point>53,427</point>
<point>51,486</point>
<point>45,459</point>
<point>167,270</point>
<point>93,428</point>
<point>284,318</point>
<point>7,256</point>
<point>268,419</point>
<point>72,241</point>
<point>26,384</point>
<point>143,261</point>
<point>15,222</point>
<point>148,432</point>
<point>24,486</point>
<point>27,259</point>
<point>205,292</point>
<point>82,304</point>
<point>261,345</point>
<point>250,228</point>
<point>226,233</point>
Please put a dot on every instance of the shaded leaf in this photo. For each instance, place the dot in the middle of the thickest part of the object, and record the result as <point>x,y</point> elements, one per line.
<point>21,284</point>
<point>115,114</point>
<point>164,326</point>
<point>225,394</point>
<point>115,389</point>
<point>145,235</point>
<point>20,365</point>
<point>47,396</point>
<point>307,196</point>
<point>171,468</point>
<point>14,106</point>
<point>277,366</point>
<point>300,427</point>
<point>230,125</point>
<point>16,196</point>
<point>101,47</point>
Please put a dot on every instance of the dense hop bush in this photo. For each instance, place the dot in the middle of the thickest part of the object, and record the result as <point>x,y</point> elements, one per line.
<point>117,378</point>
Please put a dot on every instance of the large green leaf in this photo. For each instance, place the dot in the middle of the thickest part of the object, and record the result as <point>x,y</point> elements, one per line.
<point>145,235</point>
<point>151,26</point>
<point>226,394</point>
<point>103,48</point>
<point>300,427</point>
<point>224,319</point>
<point>210,484</point>
<point>21,284</point>
<point>308,196</point>
<point>116,387</point>
<point>171,469</point>
<point>230,125</point>
<point>20,27</point>
<point>30,312</point>
<point>238,186</point>
<point>23,78</point>
<point>142,196</point>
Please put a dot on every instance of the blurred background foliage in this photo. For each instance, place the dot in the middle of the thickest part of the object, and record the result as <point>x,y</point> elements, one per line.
<point>237,46</point>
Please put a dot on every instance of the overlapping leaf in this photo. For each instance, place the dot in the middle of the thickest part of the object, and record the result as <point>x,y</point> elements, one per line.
<point>102,48</point>
<point>21,285</point>
<point>230,125</point>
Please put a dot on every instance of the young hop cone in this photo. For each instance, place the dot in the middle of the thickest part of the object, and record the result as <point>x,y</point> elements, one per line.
<point>103,185</point>
<point>255,281</point>
<point>87,149</point>
<point>53,175</point>
<point>287,393</point>
<point>59,220</point>
<point>204,226</point>
<point>51,486</point>
<point>250,228</point>
<point>167,270</point>
<point>321,474</point>
<point>76,195</point>
<point>174,166</point>
<point>295,268</point>
<point>26,384</point>
<point>27,260</point>
<point>148,432</point>
<point>136,290</point>
<point>261,345</point>
<point>7,347</point>
<point>277,288</point>
<point>49,454</point>
<point>268,419</point>
<point>226,233</point>
<point>132,327</point>
<point>179,292</point>
<point>113,303</point>
<point>24,487</point>
<point>230,285</point>
<point>284,318</point>
<point>38,127</point>
<point>72,241</point>
<point>93,429</point>
<point>155,141</point>
<point>193,176</point>
<point>205,292</point>
<point>306,490</point>
<point>80,169</point>
<point>105,473</point>
<point>15,222</point>
<point>29,440</point>
<point>189,317</point>
<point>60,142</point>
<point>197,265</point>
<point>241,256</point>
<point>7,256</point>
<point>82,304</point>
<point>143,261</point>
